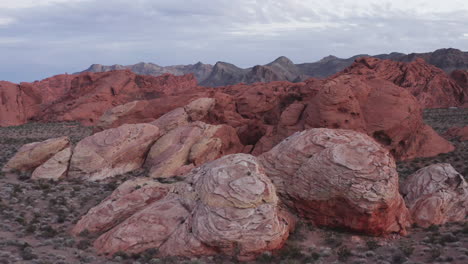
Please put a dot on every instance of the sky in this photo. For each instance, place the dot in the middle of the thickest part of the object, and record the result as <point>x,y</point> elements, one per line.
<point>41,38</point>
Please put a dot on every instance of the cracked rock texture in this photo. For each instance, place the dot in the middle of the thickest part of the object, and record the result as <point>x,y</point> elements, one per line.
<point>338,178</point>
<point>55,168</point>
<point>226,206</point>
<point>436,194</point>
<point>189,146</point>
<point>112,152</point>
<point>166,115</point>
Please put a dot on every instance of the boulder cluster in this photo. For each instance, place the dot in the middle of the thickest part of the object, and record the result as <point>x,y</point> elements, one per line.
<point>250,160</point>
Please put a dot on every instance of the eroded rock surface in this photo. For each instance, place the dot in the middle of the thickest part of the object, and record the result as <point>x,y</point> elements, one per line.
<point>32,155</point>
<point>189,146</point>
<point>112,152</point>
<point>54,168</point>
<point>227,206</point>
<point>338,178</point>
<point>436,194</point>
<point>460,133</point>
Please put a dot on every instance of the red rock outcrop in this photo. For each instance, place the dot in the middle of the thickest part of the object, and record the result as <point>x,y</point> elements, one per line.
<point>264,114</point>
<point>93,93</point>
<point>54,168</point>
<point>227,206</point>
<point>436,195</point>
<point>461,77</point>
<point>189,146</point>
<point>32,155</point>
<point>338,178</point>
<point>112,152</point>
<point>460,133</point>
<point>165,116</point>
<point>129,198</point>
<point>388,113</point>
<point>83,97</point>
<point>430,85</point>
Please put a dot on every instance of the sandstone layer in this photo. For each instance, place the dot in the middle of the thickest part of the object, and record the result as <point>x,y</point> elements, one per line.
<point>227,206</point>
<point>338,178</point>
<point>436,195</point>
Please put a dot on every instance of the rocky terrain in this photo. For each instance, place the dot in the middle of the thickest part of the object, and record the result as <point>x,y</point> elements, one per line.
<point>199,70</point>
<point>365,166</point>
<point>37,216</point>
<point>283,69</point>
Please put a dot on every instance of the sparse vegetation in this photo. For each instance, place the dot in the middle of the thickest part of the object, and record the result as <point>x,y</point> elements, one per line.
<point>44,211</point>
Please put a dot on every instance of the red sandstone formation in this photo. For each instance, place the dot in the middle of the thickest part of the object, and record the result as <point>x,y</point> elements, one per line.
<point>84,97</point>
<point>228,206</point>
<point>189,146</point>
<point>436,195</point>
<point>338,178</point>
<point>429,84</point>
<point>32,155</point>
<point>461,77</point>
<point>112,152</point>
<point>460,133</point>
<point>359,98</point>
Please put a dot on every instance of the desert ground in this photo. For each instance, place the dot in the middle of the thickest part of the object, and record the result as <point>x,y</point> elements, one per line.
<point>35,216</point>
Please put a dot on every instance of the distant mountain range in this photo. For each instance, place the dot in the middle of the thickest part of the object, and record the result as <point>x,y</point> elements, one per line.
<point>283,69</point>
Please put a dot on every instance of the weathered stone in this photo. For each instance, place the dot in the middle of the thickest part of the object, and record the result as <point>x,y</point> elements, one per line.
<point>129,198</point>
<point>227,206</point>
<point>32,155</point>
<point>338,178</point>
<point>112,152</point>
<point>195,144</point>
<point>436,194</point>
<point>55,168</point>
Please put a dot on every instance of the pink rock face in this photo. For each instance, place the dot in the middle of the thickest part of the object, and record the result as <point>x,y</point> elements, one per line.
<point>227,206</point>
<point>55,168</point>
<point>429,84</point>
<point>127,199</point>
<point>263,114</point>
<point>355,102</point>
<point>32,155</point>
<point>460,133</point>
<point>461,77</point>
<point>195,143</point>
<point>338,178</point>
<point>84,97</point>
<point>436,195</point>
<point>112,152</point>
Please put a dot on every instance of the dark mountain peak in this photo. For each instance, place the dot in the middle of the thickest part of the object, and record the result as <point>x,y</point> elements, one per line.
<point>329,58</point>
<point>224,65</point>
<point>282,60</point>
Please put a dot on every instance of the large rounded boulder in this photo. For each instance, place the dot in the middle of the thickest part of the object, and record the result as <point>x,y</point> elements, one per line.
<point>112,152</point>
<point>338,178</point>
<point>32,155</point>
<point>436,194</point>
<point>227,206</point>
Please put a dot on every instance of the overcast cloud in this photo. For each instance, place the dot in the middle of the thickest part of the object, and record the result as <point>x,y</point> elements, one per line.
<point>40,38</point>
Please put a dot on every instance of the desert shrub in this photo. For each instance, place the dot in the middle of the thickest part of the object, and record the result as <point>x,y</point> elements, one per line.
<point>433,228</point>
<point>343,253</point>
<point>407,248</point>
<point>435,253</point>
<point>48,232</point>
<point>291,252</point>
<point>398,259</point>
<point>372,244</point>
<point>83,244</point>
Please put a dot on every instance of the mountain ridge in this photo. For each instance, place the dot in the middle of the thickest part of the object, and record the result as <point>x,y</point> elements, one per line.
<point>284,69</point>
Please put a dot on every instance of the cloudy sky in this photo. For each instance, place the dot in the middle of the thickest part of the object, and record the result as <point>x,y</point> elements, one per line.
<point>40,38</point>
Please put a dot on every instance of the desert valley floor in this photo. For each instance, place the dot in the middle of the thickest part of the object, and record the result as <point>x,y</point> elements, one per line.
<point>34,228</point>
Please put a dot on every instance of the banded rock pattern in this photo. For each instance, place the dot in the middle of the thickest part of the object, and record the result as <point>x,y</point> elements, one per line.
<point>338,178</point>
